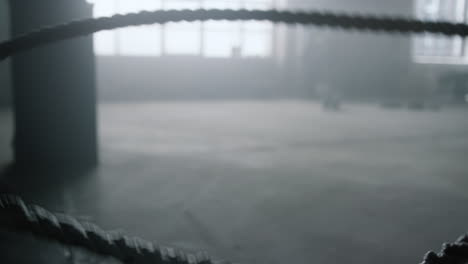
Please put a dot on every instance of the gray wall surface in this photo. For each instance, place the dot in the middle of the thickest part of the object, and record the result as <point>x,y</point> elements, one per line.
<point>191,78</point>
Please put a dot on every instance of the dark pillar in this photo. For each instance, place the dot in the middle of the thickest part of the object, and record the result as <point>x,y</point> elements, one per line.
<point>54,89</point>
<point>5,74</point>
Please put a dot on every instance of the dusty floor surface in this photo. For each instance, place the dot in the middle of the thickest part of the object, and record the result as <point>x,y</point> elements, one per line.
<point>273,182</point>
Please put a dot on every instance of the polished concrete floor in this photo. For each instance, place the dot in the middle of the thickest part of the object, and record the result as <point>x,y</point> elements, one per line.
<point>271,182</point>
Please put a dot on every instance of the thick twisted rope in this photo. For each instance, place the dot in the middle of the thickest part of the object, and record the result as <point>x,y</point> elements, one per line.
<point>14,213</point>
<point>334,20</point>
<point>17,215</point>
<point>451,253</point>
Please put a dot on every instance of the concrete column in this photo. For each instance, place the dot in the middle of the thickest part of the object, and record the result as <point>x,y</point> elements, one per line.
<point>5,75</point>
<point>54,91</point>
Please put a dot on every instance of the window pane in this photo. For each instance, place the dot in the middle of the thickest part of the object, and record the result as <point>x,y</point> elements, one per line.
<point>182,4</point>
<point>436,10</point>
<point>182,38</point>
<point>129,6</point>
<point>258,4</point>
<point>451,10</point>
<point>257,40</point>
<point>258,26</point>
<point>220,38</point>
<point>221,4</point>
<point>140,41</point>
<point>220,43</point>
<point>104,8</point>
<point>144,40</point>
<point>438,46</point>
<point>257,44</point>
<point>104,43</point>
<point>231,26</point>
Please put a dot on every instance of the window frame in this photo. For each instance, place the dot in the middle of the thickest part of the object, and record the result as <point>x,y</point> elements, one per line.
<point>460,9</point>
<point>203,29</point>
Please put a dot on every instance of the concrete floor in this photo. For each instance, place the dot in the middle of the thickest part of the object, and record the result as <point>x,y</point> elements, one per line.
<point>273,182</point>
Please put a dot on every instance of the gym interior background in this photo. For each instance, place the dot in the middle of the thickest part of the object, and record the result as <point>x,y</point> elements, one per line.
<point>255,142</point>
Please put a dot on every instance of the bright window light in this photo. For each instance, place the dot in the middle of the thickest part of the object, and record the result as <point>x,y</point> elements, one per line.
<point>433,48</point>
<point>182,38</point>
<point>219,39</point>
<point>220,4</point>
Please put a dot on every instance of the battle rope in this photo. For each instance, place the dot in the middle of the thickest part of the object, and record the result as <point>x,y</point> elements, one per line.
<point>14,213</point>
<point>17,215</point>
<point>335,20</point>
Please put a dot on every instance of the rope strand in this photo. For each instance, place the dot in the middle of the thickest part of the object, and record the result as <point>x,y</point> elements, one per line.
<point>359,22</point>
<point>16,214</point>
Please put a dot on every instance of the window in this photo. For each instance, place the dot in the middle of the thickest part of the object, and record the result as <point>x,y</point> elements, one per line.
<point>435,48</point>
<point>210,39</point>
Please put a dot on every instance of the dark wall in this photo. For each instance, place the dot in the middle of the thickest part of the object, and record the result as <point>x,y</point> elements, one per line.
<point>355,64</point>
<point>358,65</point>
<point>377,66</point>
<point>187,78</point>
<point>448,81</point>
<point>5,74</point>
